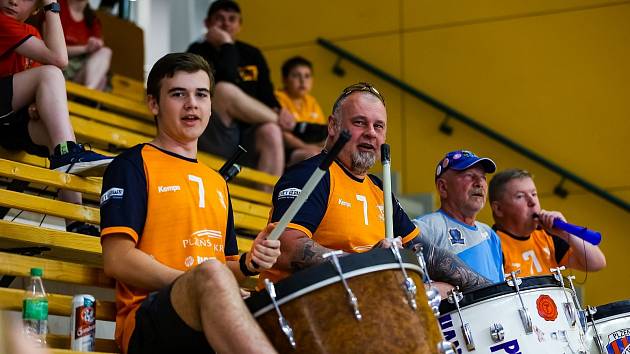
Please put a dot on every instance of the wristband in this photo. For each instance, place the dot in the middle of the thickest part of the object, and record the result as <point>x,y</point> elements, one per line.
<point>243,266</point>
<point>53,7</point>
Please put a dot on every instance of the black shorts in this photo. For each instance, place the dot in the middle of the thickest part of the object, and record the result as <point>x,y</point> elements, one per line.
<point>160,330</point>
<point>222,141</point>
<point>14,124</point>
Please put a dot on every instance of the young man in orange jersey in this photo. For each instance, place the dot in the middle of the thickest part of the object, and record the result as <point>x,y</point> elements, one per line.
<point>345,211</point>
<point>528,239</point>
<point>168,231</point>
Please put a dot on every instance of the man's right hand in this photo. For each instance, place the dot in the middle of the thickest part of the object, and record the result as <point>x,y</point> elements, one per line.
<point>264,253</point>
<point>387,243</point>
<point>217,37</point>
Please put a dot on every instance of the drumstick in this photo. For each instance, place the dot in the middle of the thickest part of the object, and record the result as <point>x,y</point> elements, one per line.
<point>309,186</point>
<point>387,191</point>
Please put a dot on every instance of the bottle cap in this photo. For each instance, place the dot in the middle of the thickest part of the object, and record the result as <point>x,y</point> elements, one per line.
<point>37,272</point>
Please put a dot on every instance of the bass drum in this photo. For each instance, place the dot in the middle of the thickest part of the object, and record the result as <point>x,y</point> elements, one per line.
<point>612,323</point>
<point>496,325</point>
<point>314,303</point>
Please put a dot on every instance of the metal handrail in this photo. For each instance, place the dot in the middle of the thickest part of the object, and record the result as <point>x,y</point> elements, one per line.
<point>452,113</point>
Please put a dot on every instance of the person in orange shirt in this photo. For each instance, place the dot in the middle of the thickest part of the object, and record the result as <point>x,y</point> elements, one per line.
<point>345,211</point>
<point>307,138</point>
<point>528,239</point>
<point>168,231</point>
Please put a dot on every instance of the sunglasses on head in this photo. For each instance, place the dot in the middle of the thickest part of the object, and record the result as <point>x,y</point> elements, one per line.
<point>358,87</point>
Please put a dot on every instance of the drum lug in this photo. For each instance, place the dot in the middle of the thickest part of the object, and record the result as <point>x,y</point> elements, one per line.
<point>581,312</point>
<point>590,311</point>
<point>523,313</point>
<point>454,297</point>
<point>284,324</point>
<point>497,332</point>
<point>433,295</point>
<point>446,347</point>
<point>408,284</point>
<point>352,300</point>
<point>569,310</point>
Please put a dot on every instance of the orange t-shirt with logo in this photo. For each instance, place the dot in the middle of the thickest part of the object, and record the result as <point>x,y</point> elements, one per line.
<point>176,209</point>
<point>534,255</point>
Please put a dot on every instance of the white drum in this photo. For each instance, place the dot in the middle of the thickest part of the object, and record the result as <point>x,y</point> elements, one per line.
<point>496,323</point>
<point>612,323</point>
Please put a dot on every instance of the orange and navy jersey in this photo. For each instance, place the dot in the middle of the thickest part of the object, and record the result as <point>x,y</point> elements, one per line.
<point>534,255</point>
<point>176,209</point>
<point>343,212</point>
<point>309,112</point>
<point>12,34</point>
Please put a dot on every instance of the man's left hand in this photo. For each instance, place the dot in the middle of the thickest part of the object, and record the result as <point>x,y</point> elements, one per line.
<point>264,253</point>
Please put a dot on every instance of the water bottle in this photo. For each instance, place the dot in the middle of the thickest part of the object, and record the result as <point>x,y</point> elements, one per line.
<point>35,309</point>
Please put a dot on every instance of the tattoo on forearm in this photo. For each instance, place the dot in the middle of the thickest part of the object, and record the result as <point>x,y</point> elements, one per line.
<point>444,266</point>
<point>308,254</point>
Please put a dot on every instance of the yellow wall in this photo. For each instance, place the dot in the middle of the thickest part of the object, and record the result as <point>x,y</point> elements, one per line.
<point>551,75</point>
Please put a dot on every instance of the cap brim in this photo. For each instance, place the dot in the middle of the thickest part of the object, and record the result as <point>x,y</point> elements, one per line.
<point>488,165</point>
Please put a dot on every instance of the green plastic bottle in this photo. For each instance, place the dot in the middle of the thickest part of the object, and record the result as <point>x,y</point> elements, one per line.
<point>35,308</point>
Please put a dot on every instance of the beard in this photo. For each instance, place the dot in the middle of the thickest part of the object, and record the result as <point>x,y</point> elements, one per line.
<point>362,161</point>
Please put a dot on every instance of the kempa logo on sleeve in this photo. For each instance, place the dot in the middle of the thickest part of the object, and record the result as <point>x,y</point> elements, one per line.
<point>163,189</point>
<point>112,193</point>
<point>289,193</point>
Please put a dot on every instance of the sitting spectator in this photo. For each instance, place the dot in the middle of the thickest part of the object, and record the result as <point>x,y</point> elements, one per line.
<point>88,57</point>
<point>245,110</point>
<point>33,108</point>
<point>311,126</point>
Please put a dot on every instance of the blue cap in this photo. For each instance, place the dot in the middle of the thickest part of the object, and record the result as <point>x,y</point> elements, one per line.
<point>461,160</point>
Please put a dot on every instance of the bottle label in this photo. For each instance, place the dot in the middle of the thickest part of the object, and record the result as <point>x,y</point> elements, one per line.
<point>35,309</point>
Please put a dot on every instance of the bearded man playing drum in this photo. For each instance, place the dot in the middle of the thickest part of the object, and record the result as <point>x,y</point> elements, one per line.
<point>529,240</point>
<point>345,211</point>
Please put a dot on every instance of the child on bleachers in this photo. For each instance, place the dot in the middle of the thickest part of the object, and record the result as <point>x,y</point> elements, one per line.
<point>310,131</point>
<point>33,107</point>
<point>89,59</point>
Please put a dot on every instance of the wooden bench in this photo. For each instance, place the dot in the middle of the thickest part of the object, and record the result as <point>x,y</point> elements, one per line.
<point>128,88</point>
<point>115,103</point>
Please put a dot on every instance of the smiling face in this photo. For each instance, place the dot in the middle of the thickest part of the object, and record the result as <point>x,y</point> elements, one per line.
<point>184,106</point>
<point>515,207</point>
<point>299,82</point>
<point>463,191</point>
<point>364,116</point>
<point>18,9</point>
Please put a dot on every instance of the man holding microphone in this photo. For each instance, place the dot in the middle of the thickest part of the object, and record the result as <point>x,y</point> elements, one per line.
<point>529,240</point>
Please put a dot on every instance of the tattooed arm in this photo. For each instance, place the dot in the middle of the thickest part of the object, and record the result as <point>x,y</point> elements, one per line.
<point>444,266</point>
<point>298,251</point>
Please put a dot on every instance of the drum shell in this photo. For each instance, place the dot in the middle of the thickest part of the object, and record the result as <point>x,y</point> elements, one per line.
<point>615,326</point>
<point>323,321</point>
<point>503,309</point>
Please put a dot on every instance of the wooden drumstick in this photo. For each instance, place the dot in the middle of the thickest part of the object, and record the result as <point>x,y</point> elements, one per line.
<point>309,186</point>
<point>387,191</point>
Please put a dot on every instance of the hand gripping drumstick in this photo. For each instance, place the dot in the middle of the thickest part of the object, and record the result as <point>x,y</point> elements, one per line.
<point>387,191</point>
<point>309,186</point>
<point>591,236</point>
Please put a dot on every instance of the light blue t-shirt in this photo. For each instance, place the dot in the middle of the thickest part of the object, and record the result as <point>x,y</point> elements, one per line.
<point>478,246</point>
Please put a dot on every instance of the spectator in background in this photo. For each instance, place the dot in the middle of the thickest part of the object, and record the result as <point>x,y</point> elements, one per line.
<point>310,131</point>
<point>89,59</point>
<point>33,108</point>
<point>245,110</point>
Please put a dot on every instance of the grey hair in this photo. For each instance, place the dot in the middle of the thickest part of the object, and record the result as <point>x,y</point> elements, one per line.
<point>496,188</point>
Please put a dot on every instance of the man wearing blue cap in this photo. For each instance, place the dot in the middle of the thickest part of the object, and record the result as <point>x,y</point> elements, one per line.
<point>460,179</point>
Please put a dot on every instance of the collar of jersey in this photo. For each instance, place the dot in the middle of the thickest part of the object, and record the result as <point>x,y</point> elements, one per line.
<point>173,154</point>
<point>518,238</point>
<point>348,173</point>
<point>473,228</point>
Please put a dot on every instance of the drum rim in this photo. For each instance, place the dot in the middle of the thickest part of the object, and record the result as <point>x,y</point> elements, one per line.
<point>498,290</point>
<point>311,279</point>
<point>607,311</point>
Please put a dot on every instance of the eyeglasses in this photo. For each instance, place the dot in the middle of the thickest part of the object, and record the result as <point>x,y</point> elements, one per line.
<point>358,87</point>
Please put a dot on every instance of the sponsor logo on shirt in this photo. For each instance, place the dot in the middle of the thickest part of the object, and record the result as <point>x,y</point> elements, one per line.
<point>221,199</point>
<point>344,203</point>
<point>381,212</point>
<point>112,193</point>
<point>206,239</point>
<point>164,189</point>
<point>456,237</point>
<point>289,193</point>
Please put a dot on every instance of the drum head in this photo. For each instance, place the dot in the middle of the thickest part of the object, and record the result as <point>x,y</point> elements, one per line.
<point>311,279</point>
<point>499,289</point>
<point>612,309</point>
